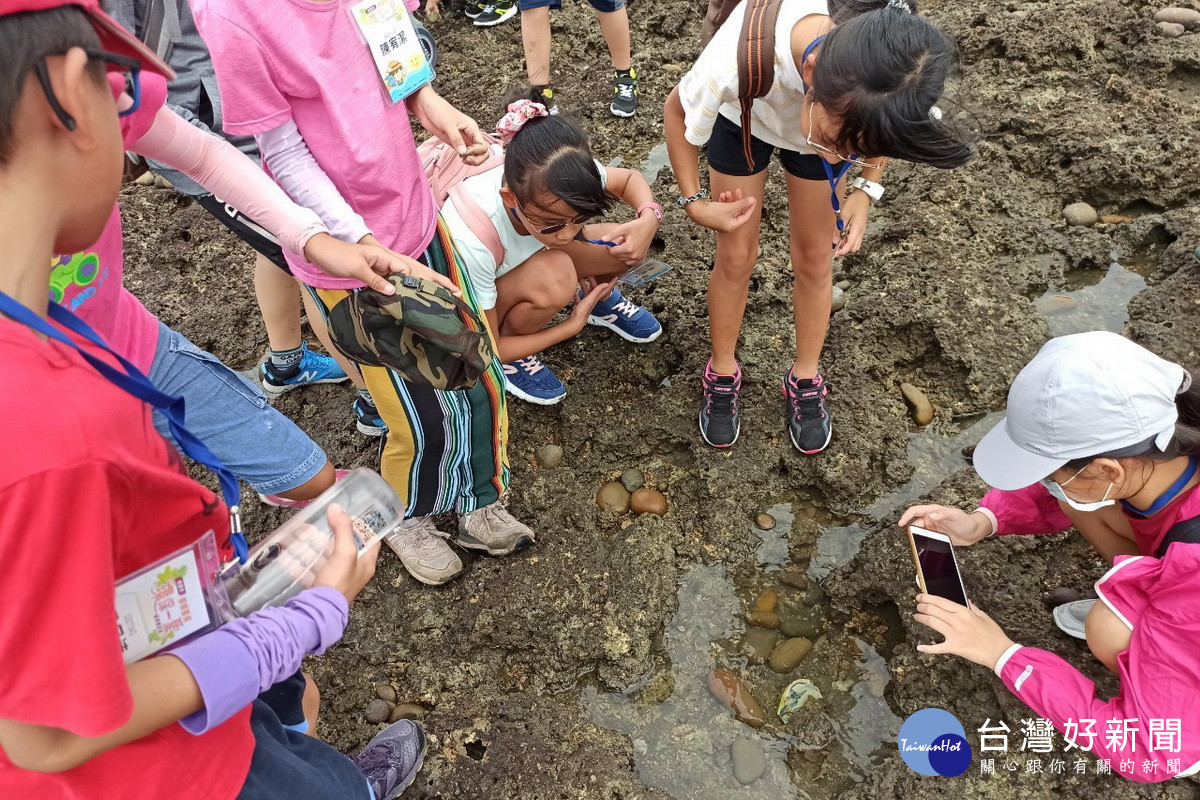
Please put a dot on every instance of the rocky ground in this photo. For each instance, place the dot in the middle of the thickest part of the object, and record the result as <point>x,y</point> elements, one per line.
<point>1076,100</point>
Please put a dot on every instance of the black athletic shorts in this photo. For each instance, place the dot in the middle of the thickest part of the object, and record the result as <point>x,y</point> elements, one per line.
<point>726,157</point>
<point>245,229</point>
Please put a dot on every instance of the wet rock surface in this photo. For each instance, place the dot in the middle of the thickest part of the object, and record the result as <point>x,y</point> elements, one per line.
<point>1076,98</point>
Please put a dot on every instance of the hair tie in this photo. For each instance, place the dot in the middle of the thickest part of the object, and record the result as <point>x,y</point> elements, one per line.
<point>900,5</point>
<point>518,114</point>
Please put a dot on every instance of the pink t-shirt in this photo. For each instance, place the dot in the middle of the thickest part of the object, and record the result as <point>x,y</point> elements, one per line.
<point>306,61</point>
<point>89,283</point>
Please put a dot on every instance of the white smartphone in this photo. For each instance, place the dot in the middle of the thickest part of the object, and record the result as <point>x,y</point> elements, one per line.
<point>937,569</point>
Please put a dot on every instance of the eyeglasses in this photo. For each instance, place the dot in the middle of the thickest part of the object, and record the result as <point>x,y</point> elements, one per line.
<point>820,148</point>
<point>579,220</point>
<point>113,63</point>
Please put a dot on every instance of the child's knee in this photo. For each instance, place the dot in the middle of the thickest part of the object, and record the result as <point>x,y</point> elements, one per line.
<point>811,261</point>
<point>737,261</point>
<point>1107,635</point>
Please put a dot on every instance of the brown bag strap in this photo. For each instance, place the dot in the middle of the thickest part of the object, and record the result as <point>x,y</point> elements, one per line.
<point>756,61</point>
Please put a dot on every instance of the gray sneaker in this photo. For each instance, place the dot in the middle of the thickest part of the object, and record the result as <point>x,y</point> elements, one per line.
<point>1071,617</point>
<point>493,530</point>
<point>424,552</point>
<point>391,760</point>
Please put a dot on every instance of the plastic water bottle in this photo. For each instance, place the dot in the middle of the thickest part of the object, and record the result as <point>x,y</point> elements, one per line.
<point>287,561</point>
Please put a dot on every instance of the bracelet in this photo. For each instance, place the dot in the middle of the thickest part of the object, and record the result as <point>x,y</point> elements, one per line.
<point>655,207</point>
<point>870,188</point>
<point>700,195</point>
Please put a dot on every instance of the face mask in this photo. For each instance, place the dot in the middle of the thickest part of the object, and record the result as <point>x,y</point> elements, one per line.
<point>1057,491</point>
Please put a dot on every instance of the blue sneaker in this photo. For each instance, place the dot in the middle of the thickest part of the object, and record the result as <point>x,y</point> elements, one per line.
<point>627,318</point>
<point>369,422</point>
<point>533,382</point>
<point>313,368</point>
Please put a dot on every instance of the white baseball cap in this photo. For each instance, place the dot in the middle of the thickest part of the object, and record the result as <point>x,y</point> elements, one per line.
<point>1082,396</point>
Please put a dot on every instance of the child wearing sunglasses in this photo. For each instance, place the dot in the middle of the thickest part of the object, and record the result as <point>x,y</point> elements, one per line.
<point>539,206</point>
<point>855,84</point>
<point>1101,435</point>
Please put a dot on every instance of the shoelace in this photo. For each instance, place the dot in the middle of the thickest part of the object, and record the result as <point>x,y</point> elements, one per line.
<point>626,308</point>
<point>806,402</point>
<point>721,398</point>
<point>532,364</point>
<point>625,90</point>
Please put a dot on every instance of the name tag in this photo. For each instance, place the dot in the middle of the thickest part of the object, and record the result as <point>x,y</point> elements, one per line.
<point>387,28</point>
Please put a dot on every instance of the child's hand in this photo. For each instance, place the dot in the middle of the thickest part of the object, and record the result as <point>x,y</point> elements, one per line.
<point>723,213</point>
<point>432,9</point>
<point>593,294</point>
<point>346,570</point>
<point>962,528</point>
<point>855,209</point>
<point>369,262</point>
<point>968,632</point>
<point>451,126</point>
<point>633,239</point>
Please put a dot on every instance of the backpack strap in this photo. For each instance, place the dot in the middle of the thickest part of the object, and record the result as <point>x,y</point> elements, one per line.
<point>756,61</point>
<point>480,223</point>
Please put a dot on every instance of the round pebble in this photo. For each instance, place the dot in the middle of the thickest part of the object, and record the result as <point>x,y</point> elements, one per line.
<point>735,695</point>
<point>1080,214</point>
<point>613,497</point>
<point>788,654</point>
<point>385,692</point>
<point>632,479</point>
<point>1061,596</point>
<point>408,711</point>
<point>763,619</point>
<point>764,522</point>
<point>792,626</point>
<point>922,409</point>
<point>1170,30</point>
<point>843,285</point>
<point>749,761</point>
<point>839,300</point>
<point>648,501</point>
<point>549,456</point>
<point>377,711</point>
<point>1186,17</point>
<point>767,601</point>
<point>145,179</point>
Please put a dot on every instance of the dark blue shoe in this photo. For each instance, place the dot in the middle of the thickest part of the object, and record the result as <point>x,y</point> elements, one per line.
<point>532,381</point>
<point>313,368</point>
<point>369,422</point>
<point>627,318</point>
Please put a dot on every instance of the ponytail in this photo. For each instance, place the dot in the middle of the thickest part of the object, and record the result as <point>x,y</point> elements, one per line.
<point>551,155</point>
<point>880,71</point>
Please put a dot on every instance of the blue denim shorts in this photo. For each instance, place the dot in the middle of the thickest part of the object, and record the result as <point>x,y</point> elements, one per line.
<point>230,415</point>
<point>606,6</point>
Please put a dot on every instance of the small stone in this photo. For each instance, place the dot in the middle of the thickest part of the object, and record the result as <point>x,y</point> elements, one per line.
<point>767,601</point>
<point>788,654</point>
<point>613,497</point>
<point>672,68</point>
<point>763,619</point>
<point>385,692</point>
<point>1187,17</point>
<point>433,17</point>
<point>792,626</point>
<point>749,761</point>
<point>145,179</point>
<point>632,479</point>
<point>839,300</point>
<point>764,522</point>
<point>1060,596</point>
<point>1115,219</point>
<point>814,595</point>
<point>408,711</point>
<point>1169,30</point>
<point>758,643</point>
<point>793,577</point>
<point>729,689</point>
<point>378,711</point>
<point>922,409</point>
<point>648,501</point>
<point>162,182</point>
<point>843,285</point>
<point>549,456</point>
<point>1080,214</point>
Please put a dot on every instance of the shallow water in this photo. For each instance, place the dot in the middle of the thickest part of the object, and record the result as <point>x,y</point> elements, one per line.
<point>1092,301</point>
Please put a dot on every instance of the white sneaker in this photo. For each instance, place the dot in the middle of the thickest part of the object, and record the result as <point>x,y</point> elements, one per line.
<point>424,552</point>
<point>1070,617</point>
<point>493,530</point>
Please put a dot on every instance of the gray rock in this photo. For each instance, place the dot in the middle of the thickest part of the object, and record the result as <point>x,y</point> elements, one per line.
<point>1080,214</point>
<point>632,479</point>
<point>377,711</point>
<point>1187,17</point>
<point>549,456</point>
<point>1170,30</point>
<point>843,285</point>
<point>839,300</point>
<point>749,761</point>
<point>793,626</point>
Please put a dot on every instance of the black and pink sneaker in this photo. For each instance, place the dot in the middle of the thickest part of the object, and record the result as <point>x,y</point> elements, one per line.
<point>808,417</point>
<point>719,421</point>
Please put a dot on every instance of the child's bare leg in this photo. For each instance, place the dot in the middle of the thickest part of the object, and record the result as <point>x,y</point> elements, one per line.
<point>1106,529</point>
<point>615,25</point>
<point>535,36</point>
<point>1107,635</point>
<point>528,297</point>
<point>277,300</point>
<point>321,331</point>
<point>813,225</point>
<point>311,703</point>
<point>596,260</point>
<point>729,284</point>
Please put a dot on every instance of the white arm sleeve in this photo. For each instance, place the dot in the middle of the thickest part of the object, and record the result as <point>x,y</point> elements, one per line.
<point>284,151</point>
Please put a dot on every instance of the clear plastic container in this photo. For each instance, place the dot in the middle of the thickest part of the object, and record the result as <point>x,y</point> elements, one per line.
<point>287,561</point>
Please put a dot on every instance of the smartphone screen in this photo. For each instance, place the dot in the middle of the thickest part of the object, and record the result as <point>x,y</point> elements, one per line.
<point>935,560</point>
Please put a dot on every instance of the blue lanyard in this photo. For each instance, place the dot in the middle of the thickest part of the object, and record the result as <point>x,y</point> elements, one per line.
<point>133,381</point>
<point>833,177</point>
<point>1167,497</point>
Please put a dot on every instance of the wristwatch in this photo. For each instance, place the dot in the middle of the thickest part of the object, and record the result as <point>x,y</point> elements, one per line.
<point>655,207</point>
<point>873,190</point>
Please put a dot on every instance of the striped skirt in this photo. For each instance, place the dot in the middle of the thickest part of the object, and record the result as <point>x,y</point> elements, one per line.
<point>444,451</point>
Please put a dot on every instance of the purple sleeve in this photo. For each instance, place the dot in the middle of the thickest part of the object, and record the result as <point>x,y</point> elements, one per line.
<point>1028,510</point>
<point>245,657</point>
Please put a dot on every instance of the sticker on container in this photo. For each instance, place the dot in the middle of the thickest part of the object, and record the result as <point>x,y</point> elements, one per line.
<point>387,28</point>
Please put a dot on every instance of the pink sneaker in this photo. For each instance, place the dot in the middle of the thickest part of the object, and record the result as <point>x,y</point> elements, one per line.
<point>283,502</point>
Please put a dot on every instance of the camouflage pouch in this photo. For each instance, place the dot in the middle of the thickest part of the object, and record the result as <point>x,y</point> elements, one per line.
<point>423,332</point>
